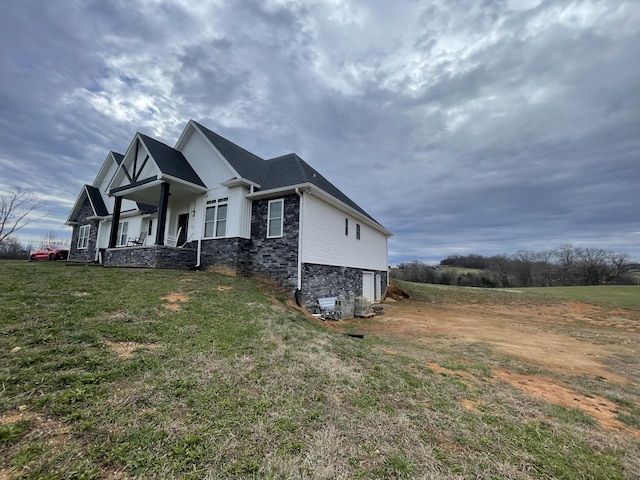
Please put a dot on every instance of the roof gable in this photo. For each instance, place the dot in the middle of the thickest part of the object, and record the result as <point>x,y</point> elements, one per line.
<point>108,168</point>
<point>246,164</point>
<point>91,193</point>
<point>97,202</point>
<point>170,161</point>
<point>277,173</point>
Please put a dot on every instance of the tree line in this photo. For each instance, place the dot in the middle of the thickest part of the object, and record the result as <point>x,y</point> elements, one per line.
<point>562,266</point>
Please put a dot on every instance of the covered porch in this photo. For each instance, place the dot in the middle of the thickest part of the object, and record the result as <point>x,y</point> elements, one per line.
<point>175,204</point>
<point>155,176</point>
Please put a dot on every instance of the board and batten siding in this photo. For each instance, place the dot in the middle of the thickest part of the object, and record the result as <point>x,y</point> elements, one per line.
<point>325,242</point>
<point>206,161</point>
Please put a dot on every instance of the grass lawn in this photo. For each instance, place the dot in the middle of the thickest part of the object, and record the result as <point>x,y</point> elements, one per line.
<point>121,373</point>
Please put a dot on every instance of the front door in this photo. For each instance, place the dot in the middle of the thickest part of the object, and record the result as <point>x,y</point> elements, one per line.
<point>183,225</point>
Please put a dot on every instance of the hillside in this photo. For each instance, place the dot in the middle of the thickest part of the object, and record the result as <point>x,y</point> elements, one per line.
<point>110,373</point>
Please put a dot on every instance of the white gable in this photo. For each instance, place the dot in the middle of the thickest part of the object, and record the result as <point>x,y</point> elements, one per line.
<point>208,163</point>
<point>136,165</point>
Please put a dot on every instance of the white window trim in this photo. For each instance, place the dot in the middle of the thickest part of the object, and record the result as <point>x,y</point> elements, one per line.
<point>281,201</point>
<point>83,237</point>
<point>215,221</point>
<point>122,238</point>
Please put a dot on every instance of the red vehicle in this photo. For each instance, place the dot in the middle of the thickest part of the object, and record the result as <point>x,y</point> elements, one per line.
<point>49,252</point>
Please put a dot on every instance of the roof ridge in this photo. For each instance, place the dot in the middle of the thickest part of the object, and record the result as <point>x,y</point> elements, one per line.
<point>227,140</point>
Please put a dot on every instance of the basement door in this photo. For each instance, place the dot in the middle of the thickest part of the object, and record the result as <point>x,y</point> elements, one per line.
<point>368,286</point>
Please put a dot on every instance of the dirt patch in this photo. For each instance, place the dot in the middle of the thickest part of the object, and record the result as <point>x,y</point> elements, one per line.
<point>573,339</point>
<point>553,391</point>
<point>173,301</point>
<point>125,350</point>
<point>394,292</point>
<point>466,377</point>
<point>55,432</point>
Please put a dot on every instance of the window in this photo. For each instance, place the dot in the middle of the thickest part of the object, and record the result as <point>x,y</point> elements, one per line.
<point>275,218</point>
<point>150,227</point>
<point>346,226</point>
<point>121,240</point>
<point>357,231</point>
<point>215,219</point>
<point>83,236</point>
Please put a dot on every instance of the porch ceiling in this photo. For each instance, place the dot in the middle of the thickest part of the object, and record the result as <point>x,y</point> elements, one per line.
<point>149,193</point>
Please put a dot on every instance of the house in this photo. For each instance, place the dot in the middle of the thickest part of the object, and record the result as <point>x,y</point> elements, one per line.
<point>208,202</point>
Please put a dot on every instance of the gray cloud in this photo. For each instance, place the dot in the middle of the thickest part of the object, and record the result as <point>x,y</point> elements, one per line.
<point>463,127</point>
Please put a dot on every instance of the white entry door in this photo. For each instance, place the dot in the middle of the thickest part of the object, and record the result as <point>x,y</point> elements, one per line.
<point>368,286</point>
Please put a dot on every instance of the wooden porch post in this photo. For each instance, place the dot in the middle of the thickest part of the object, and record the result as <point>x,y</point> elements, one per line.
<point>113,238</point>
<point>162,213</point>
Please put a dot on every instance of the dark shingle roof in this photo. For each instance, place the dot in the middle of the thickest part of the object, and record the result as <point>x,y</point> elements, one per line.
<point>290,169</point>
<point>279,172</point>
<point>171,161</point>
<point>95,197</point>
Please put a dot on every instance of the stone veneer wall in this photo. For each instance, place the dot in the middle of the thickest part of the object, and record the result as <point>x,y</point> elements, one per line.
<point>151,257</point>
<point>86,254</point>
<point>275,258</point>
<point>228,252</point>
<point>319,281</point>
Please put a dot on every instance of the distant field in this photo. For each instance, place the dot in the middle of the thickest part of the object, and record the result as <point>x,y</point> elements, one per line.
<point>607,296</point>
<point>625,296</point>
<point>459,270</point>
<point>132,373</point>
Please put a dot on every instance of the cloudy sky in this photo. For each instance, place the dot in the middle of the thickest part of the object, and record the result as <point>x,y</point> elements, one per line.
<point>466,126</point>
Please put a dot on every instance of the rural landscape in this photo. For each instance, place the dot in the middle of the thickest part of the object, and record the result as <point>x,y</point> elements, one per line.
<point>116,374</point>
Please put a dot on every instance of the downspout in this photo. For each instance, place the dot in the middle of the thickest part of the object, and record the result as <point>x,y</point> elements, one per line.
<point>300,226</point>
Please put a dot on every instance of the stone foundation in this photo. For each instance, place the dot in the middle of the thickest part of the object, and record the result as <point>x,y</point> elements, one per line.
<point>150,257</point>
<point>226,252</point>
<point>319,281</point>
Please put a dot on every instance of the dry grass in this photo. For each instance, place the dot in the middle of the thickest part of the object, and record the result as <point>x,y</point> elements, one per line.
<point>236,383</point>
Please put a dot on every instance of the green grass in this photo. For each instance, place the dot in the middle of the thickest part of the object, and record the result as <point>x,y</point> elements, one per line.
<point>622,296</point>
<point>627,296</point>
<point>237,384</point>
<point>459,270</point>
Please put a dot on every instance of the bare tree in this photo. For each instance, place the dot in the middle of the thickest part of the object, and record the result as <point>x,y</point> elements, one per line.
<point>50,238</point>
<point>15,207</point>
<point>11,248</point>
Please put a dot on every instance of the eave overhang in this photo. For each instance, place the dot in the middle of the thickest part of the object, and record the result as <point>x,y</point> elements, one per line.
<point>240,182</point>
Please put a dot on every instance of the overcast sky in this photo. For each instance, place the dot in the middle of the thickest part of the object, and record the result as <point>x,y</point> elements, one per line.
<point>461,126</point>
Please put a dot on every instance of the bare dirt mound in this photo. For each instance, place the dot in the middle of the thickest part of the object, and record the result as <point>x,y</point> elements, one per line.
<point>396,293</point>
<point>565,339</point>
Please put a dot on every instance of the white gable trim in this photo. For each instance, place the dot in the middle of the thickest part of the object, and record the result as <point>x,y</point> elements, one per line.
<point>122,173</point>
<point>110,159</point>
<point>184,137</point>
